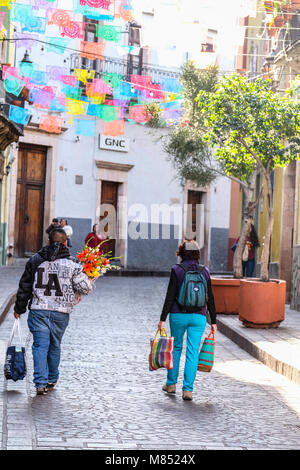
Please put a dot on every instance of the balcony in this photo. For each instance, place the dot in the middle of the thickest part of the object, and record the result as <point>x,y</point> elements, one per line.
<point>9,131</point>
<point>125,68</point>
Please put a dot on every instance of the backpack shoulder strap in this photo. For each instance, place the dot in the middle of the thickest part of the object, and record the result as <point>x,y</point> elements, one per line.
<point>183,267</point>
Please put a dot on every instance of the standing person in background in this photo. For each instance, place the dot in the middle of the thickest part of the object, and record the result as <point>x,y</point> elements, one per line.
<point>68,229</point>
<point>55,224</point>
<point>248,259</point>
<point>192,321</point>
<point>93,239</point>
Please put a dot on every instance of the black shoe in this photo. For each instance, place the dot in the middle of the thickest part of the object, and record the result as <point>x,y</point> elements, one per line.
<point>42,391</point>
<point>51,385</point>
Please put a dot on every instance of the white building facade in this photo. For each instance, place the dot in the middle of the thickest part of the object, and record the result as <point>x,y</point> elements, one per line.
<point>124,183</point>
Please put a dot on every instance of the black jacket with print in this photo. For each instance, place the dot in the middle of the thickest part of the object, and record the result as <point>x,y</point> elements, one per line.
<point>50,281</point>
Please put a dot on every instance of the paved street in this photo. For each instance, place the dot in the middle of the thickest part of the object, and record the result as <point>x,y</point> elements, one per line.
<point>108,399</point>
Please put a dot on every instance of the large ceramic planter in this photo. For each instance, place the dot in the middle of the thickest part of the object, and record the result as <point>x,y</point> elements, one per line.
<point>262,304</point>
<point>226,295</point>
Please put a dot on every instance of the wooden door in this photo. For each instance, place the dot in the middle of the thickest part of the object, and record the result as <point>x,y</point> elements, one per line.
<point>109,195</point>
<point>194,198</point>
<point>29,214</point>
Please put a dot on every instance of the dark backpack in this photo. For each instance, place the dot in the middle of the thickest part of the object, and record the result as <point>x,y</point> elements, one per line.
<point>192,295</point>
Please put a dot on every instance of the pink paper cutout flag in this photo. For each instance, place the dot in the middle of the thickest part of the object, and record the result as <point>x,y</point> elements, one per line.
<point>141,82</point>
<point>7,70</point>
<point>61,18</point>
<point>51,124</point>
<point>96,3</point>
<point>113,128</point>
<point>138,113</point>
<point>69,80</point>
<point>2,14</point>
<point>74,29</point>
<point>92,50</point>
<point>155,93</point>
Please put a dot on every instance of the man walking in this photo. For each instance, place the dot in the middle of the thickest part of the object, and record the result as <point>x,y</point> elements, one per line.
<point>50,285</point>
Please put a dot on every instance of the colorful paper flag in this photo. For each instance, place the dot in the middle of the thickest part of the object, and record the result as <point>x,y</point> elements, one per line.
<point>51,124</point>
<point>19,115</point>
<point>113,128</point>
<point>92,50</point>
<point>85,127</point>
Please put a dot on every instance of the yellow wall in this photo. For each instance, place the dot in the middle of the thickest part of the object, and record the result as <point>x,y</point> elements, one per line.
<point>277,201</point>
<point>263,217</point>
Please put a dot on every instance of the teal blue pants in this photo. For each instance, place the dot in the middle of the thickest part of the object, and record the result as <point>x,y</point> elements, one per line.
<point>194,324</point>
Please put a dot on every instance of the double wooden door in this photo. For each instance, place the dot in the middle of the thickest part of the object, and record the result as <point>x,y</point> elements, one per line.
<point>194,198</point>
<point>29,215</point>
<point>109,195</point>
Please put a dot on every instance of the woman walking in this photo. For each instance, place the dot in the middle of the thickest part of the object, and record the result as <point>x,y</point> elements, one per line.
<point>192,321</point>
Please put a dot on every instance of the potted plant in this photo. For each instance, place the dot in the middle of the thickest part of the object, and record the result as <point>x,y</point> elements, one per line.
<point>261,137</point>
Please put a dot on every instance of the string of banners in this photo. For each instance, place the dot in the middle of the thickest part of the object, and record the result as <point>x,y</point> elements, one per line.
<point>54,90</point>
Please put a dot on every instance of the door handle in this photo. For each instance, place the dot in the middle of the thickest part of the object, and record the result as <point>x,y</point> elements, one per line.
<point>26,220</point>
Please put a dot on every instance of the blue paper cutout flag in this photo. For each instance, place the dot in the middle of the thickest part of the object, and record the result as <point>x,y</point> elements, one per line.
<point>39,78</point>
<point>85,127</point>
<point>19,115</point>
<point>56,45</point>
<point>170,84</point>
<point>35,24</point>
<point>21,13</point>
<point>26,69</point>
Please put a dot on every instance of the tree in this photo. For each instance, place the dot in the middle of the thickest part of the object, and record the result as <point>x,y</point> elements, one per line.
<point>191,154</point>
<point>252,129</point>
<point>237,129</point>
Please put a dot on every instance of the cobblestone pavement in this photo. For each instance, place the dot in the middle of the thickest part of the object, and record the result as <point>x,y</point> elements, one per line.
<point>107,399</point>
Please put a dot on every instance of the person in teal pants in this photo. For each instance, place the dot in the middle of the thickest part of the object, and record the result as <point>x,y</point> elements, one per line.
<point>193,322</point>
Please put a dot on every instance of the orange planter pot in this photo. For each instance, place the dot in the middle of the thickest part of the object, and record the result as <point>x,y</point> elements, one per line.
<point>226,294</point>
<point>262,304</point>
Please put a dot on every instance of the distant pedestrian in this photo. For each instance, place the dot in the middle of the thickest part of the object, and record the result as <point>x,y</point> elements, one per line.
<point>248,258</point>
<point>51,285</point>
<point>93,239</point>
<point>68,229</point>
<point>191,320</point>
<point>55,224</point>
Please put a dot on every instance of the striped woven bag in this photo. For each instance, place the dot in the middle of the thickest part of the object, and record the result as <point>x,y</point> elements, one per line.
<point>206,356</point>
<point>161,353</point>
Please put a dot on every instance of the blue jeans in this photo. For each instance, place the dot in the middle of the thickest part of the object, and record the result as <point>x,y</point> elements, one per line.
<point>194,324</point>
<point>248,267</point>
<point>47,328</point>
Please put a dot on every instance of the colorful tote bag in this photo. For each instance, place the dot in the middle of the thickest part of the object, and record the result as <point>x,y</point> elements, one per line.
<point>206,355</point>
<point>161,353</point>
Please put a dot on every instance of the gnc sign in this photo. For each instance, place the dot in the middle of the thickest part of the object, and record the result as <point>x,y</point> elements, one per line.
<point>118,144</point>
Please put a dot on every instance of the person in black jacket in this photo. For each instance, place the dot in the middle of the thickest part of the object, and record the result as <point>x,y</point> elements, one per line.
<point>192,321</point>
<point>55,224</point>
<point>50,286</point>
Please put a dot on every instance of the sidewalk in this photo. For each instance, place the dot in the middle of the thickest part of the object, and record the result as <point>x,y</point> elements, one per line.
<point>9,280</point>
<point>277,348</point>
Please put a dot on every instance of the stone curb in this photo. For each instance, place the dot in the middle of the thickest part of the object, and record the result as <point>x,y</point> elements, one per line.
<point>281,367</point>
<point>5,307</point>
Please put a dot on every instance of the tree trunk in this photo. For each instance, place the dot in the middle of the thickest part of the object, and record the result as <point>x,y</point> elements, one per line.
<point>264,262</point>
<point>246,227</point>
